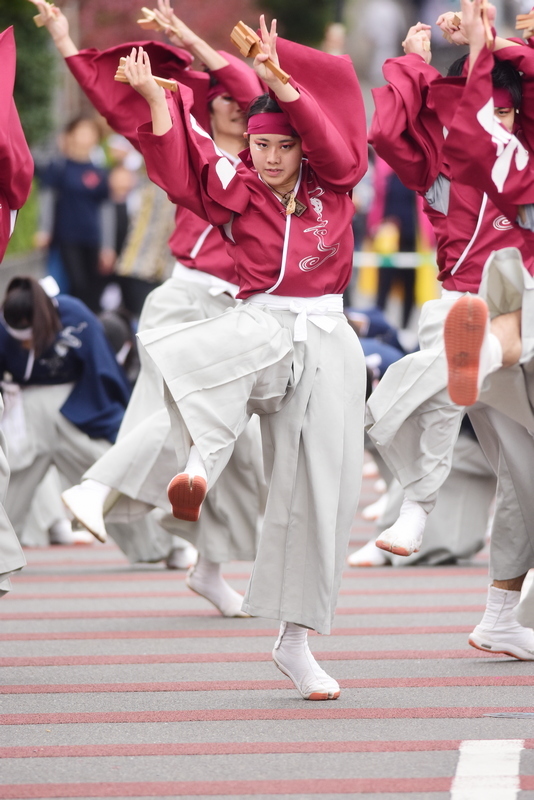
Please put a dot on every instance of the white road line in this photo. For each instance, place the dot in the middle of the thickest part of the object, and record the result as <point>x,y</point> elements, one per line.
<point>488,770</point>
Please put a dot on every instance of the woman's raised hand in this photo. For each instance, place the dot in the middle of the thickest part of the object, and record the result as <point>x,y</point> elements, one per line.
<point>268,46</point>
<point>175,29</point>
<point>55,21</point>
<point>139,73</point>
<point>418,41</point>
<point>452,32</point>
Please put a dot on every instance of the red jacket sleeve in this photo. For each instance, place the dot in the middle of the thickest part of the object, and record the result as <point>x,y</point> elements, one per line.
<point>333,108</point>
<point>16,162</point>
<point>185,163</point>
<point>404,131</point>
<point>122,107</point>
<point>482,153</point>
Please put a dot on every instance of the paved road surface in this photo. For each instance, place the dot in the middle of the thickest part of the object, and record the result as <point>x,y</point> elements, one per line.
<point>119,682</point>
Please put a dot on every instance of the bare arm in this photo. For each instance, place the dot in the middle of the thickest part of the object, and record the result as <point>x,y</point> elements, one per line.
<point>58,27</point>
<point>137,70</point>
<point>187,38</point>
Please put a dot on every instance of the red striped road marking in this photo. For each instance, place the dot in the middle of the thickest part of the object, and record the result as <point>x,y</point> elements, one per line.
<point>171,594</point>
<point>232,748</point>
<point>225,749</point>
<point>235,633</point>
<point>161,574</point>
<point>170,613</point>
<point>226,658</point>
<point>316,711</point>
<point>261,685</point>
<point>231,788</point>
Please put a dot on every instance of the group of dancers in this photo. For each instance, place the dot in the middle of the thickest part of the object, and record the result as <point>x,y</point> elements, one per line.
<point>252,383</point>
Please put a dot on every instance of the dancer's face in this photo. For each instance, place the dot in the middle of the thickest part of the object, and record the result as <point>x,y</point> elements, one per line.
<point>227,119</point>
<point>277,159</point>
<point>506,117</point>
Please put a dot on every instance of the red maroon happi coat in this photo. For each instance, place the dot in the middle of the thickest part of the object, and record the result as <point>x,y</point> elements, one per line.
<point>480,148</point>
<point>410,129</point>
<point>194,242</point>
<point>16,163</point>
<point>308,255</point>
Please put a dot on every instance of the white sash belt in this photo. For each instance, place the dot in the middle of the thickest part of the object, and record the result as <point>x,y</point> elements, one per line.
<point>314,309</point>
<point>217,285</point>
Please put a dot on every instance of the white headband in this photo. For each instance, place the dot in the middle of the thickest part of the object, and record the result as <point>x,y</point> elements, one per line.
<point>21,334</point>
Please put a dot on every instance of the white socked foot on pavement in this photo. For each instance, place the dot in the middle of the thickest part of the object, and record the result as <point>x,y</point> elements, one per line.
<point>182,557</point>
<point>499,631</point>
<point>369,556</point>
<point>205,579</point>
<point>292,656</point>
<point>405,535</point>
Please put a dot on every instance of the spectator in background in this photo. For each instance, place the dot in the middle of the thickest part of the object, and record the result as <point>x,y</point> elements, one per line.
<point>72,212</point>
<point>72,393</point>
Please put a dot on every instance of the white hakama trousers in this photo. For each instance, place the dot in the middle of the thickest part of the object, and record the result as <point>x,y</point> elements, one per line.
<point>49,438</point>
<point>410,416</point>
<point>142,461</point>
<point>510,450</point>
<point>11,555</point>
<point>310,398</point>
<point>457,525</point>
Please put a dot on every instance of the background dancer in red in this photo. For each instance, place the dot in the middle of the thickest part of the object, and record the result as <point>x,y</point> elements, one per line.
<point>203,284</point>
<point>412,419</point>
<point>16,173</point>
<point>287,352</point>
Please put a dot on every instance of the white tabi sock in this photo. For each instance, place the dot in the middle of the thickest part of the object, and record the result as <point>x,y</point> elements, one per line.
<point>86,503</point>
<point>406,535</point>
<point>292,656</point>
<point>206,580</point>
<point>499,631</point>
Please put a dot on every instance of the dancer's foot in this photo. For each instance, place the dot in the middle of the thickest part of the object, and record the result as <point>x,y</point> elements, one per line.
<point>206,580</point>
<point>499,631</point>
<point>61,532</point>
<point>292,656</point>
<point>188,489</point>
<point>182,557</point>
<point>86,504</point>
<point>406,535</point>
<point>376,509</point>
<point>368,556</point>
<point>473,352</point>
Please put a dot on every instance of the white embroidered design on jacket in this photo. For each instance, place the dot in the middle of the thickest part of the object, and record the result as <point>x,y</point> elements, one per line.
<point>320,231</point>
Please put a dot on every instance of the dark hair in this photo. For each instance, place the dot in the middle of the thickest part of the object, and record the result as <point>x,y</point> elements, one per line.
<point>80,120</point>
<point>503,76</point>
<point>264,104</point>
<point>26,304</point>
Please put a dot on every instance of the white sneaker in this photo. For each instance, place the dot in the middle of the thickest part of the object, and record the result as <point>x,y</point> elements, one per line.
<point>206,580</point>
<point>368,556</point>
<point>376,509</point>
<point>499,631</point>
<point>406,535</point>
<point>86,504</point>
<point>182,557</point>
<point>292,656</point>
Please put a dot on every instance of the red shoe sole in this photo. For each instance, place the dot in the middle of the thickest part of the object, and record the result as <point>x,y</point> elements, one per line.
<point>186,495</point>
<point>464,331</point>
